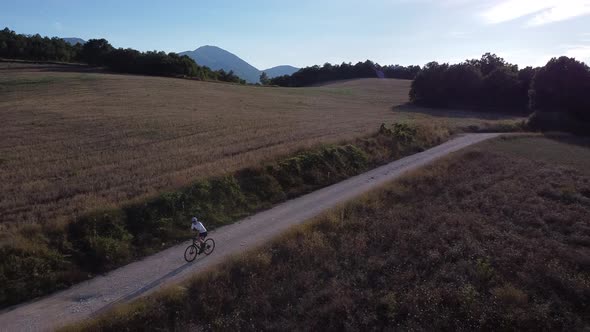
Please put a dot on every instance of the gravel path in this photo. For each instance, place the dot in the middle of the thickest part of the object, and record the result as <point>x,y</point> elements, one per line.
<point>149,274</point>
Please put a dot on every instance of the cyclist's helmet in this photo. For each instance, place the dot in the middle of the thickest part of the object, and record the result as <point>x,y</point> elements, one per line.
<point>194,220</point>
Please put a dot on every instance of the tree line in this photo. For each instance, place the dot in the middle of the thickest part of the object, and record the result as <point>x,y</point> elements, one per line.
<point>98,52</point>
<point>16,46</point>
<point>557,93</point>
<point>489,82</point>
<point>328,72</point>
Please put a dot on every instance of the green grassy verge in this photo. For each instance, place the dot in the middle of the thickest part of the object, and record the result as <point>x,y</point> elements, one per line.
<point>39,259</point>
<point>484,240</point>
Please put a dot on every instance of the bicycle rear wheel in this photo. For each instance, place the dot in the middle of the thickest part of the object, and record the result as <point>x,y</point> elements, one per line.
<point>209,246</point>
<point>191,253</point>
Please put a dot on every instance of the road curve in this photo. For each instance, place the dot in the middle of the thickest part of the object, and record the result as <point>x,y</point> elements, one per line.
<point>149,274</point>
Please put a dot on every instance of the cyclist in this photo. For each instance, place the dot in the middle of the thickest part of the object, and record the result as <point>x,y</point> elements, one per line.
<point>198,226</point>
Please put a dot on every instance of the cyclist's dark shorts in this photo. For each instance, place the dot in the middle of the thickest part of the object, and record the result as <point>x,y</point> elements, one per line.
<point>203,235</point>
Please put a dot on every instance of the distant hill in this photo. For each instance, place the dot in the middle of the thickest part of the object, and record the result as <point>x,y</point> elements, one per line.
<point>280,71</point>
<point>217,58</point>
<point>74,41</point>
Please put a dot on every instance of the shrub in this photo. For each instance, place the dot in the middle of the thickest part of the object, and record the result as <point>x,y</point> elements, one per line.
<point>101,240</point>
<point>403,132</point>
<point>106,253</point>
<point>32,269</point>
<point>259,187</point>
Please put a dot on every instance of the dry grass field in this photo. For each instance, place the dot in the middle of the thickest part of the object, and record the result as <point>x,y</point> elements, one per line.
<point>494,238</point>
<point>71,142</point>
<point>563,150</point>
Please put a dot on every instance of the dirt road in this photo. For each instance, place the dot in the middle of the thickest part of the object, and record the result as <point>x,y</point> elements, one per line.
<point>143,277</point>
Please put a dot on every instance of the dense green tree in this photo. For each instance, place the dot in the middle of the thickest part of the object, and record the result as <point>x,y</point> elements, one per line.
<point>264,80</point>
<point>562,85</point>
<point>501,89</point>
<point>560,96</point>
<point>284,80</point>
<point>401,72</point>
<point>428,88</point>
<point>97,52</point>
<point>490,62</point>
<point>230,76</point>
<point>120,59</point>
<point>462,84</point>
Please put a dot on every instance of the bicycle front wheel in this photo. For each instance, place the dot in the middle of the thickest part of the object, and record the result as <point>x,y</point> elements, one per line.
<point>209,246</point>
<point>191,253</point>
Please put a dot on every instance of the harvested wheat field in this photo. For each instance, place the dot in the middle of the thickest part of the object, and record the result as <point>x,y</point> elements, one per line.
<point>72,141</point>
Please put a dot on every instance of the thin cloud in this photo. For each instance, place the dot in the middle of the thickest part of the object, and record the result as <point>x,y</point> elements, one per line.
<point>561,13</point>
<point>540,12</point>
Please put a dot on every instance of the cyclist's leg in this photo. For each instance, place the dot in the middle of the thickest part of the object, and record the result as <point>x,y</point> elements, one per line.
<point>202,237</point>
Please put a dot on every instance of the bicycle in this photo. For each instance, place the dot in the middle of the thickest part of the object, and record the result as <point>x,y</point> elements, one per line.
<point>193,250</point>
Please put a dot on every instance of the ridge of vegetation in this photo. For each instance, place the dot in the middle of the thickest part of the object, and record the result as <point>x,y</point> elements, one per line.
<point>492,238</point>
<point>98,52</point>
<point>39,259</point>
<point>328,72</point>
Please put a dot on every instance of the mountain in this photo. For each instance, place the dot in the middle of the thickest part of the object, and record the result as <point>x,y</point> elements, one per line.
<point>217,58</point>
<point>74,41</point>
<point>280,71</point>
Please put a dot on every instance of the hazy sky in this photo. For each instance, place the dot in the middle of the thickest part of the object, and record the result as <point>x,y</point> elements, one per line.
<point>305,32</point>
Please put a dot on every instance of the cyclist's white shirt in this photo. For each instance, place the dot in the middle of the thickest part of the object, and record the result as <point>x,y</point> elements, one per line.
<point>199,227</point>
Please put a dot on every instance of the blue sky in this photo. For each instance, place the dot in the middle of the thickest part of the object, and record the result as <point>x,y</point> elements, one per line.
<point>304,32</point>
